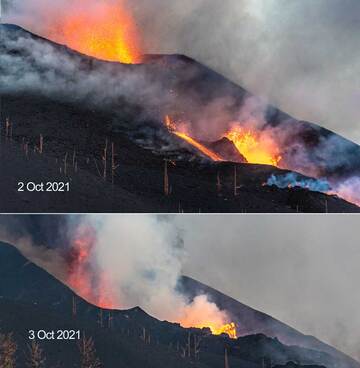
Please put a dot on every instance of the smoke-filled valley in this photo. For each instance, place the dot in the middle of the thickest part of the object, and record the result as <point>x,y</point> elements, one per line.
<point>118,269</point>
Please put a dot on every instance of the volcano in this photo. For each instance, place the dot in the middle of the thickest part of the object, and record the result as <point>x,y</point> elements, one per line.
<point>99,126</point>
<point>26,289</point>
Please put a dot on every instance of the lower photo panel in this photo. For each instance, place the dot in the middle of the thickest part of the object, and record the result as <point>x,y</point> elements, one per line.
<point>206,291</point>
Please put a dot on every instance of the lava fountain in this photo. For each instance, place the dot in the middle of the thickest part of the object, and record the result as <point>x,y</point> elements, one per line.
<point>256,147</point>
<point>104,30</point>
<point>201,313</point>
<point>96,288</point>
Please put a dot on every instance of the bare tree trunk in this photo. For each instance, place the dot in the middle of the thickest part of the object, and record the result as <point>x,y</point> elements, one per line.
<point>110,320</point>
<point>104,158</point>
<point>166,178</point>
<point>41,142</point>
<point>8,348</point>
<point>218,183</point>
<point>35,357</point>
<point>101,320</point>
<point>235,181</point>
<point>227,365</point>
<point>74,306</point>
<point>113,163</point>
<point>88,356</point>
<point>74,160</point>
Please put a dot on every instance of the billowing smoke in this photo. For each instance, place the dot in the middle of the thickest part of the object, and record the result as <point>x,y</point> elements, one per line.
<point>120,262</point>
<point>348,189</point>
<point>283,50</point>
<point>261,133</point>
<point>292,180</point>
<point>57,73</point>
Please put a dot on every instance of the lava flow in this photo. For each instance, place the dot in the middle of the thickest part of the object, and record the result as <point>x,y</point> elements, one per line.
<point>215,328</point>
<point>171,125</point>
<point>256,148</point>
<point>103,30</point>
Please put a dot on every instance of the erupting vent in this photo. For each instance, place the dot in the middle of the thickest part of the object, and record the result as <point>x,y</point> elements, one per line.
<point>98,287</point>
<point>94,287</point>
<point>256,148</point>
<point>103,30</point>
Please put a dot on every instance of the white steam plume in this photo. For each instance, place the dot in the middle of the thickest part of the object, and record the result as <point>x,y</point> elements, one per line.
<point>141,258</point>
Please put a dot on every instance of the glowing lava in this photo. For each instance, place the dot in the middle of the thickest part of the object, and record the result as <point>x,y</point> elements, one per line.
<point>171,125</point>
<point>104,30</point>
<point>202,313</point>
<point>96,289</point>
<point>255,147</point>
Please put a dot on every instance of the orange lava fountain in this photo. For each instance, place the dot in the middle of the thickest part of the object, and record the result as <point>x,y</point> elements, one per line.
<point>105,30</point>
<point>204,314</point>
<point>257,148</point>
<point>171,125</point>
<point>95,289</point>
<point>216,329</point>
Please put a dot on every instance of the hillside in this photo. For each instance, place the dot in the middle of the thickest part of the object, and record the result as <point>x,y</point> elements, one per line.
<point>26,290</point>
<point>98,126</point>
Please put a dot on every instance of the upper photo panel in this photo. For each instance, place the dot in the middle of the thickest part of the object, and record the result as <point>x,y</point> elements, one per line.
<point>188,106</point>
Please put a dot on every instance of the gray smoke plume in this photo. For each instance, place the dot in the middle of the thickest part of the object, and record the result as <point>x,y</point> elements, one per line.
<point>302,55</point>
<point>302,270</point>
<point>135,260</point>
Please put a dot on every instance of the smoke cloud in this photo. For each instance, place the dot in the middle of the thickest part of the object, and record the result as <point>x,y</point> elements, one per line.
<point>62,74</point>
<point>120,262</point>
<point>280,49</point>
<point>302,270</point>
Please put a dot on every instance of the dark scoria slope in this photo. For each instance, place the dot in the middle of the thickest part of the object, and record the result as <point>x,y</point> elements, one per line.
<point>75,103</point>
<point>26,290</point>
<point>251,321</point>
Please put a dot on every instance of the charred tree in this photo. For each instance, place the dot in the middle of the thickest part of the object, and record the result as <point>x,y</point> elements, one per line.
<point>8,348</point>
<point>218,183</point>
<point>166,178</point>
<point>114,166</point>
<point>35,357</point>
<point>104,159</point>
<point>226,359</point>
<point>74,306</point>
<point>88,357</point>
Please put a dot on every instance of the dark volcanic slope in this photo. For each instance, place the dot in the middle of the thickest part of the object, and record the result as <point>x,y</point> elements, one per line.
<point>254,322</point>
<point>77,104</point>
<point>26,290</point>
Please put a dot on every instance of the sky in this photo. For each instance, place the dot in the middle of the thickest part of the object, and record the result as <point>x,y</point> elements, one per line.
<point>301,55</point>
<point>303,270</point>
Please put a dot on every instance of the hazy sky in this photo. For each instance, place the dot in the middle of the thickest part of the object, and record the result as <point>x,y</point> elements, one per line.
<point>303,55</point>
<point>303,270</point>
